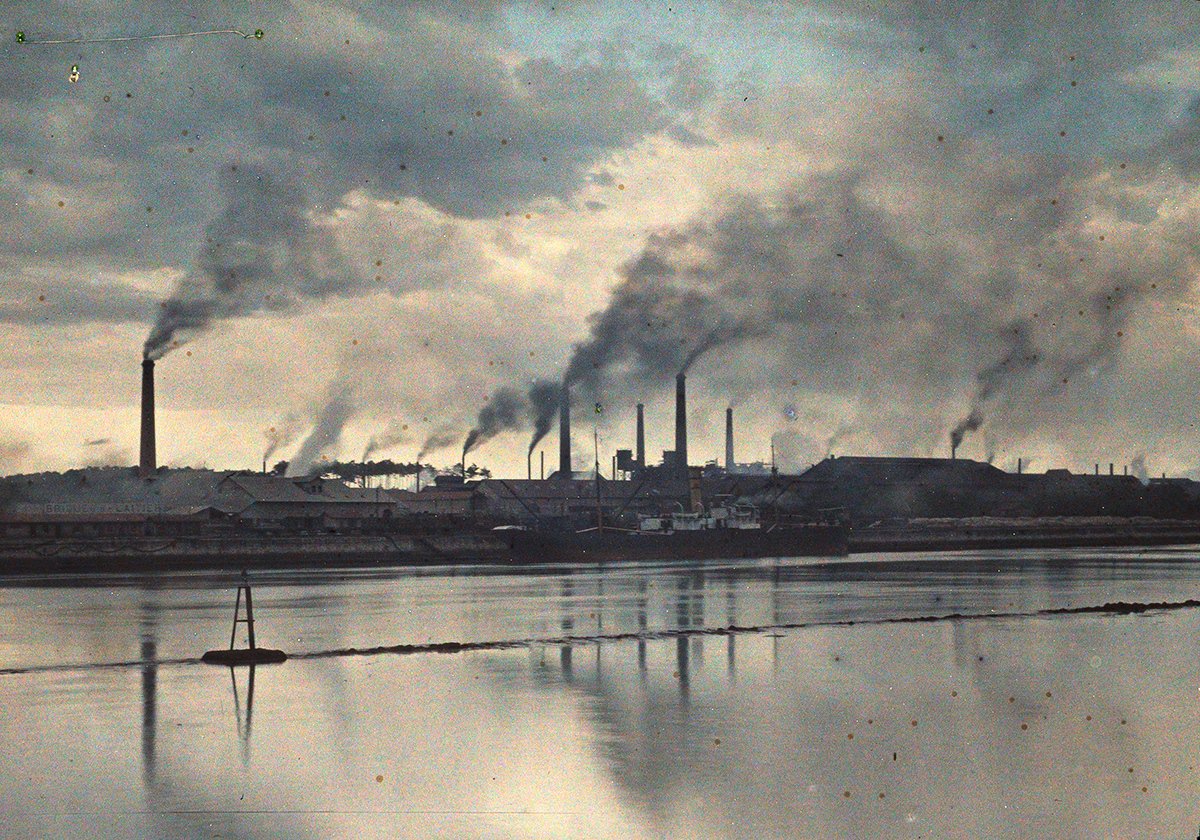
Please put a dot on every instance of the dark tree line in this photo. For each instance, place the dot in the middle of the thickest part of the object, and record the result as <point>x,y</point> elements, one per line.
<point>356,471</point>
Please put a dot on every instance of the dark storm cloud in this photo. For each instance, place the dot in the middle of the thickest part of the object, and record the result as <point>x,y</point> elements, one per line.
<point>426,100</point>
<point>1041,67</point>
<point>941,251</point>
<point>71,300</point>
<point>907,267</point>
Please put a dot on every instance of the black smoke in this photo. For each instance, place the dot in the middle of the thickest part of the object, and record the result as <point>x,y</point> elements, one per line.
<point>265,250</point>
<point>544,399</point>
<point>437,440</point>
<point>503,412</point>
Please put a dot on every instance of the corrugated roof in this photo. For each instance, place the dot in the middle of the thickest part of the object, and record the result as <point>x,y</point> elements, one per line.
<point>103,487</point>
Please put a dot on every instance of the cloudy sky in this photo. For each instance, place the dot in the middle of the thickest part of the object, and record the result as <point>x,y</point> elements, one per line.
<point>864,225</point>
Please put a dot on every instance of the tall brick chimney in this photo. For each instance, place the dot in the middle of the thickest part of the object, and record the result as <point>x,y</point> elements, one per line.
<point>148,464</point>
<point>729,440</point>
<point>681,453</point>
<point>564,433</point>
<point>641,435</point>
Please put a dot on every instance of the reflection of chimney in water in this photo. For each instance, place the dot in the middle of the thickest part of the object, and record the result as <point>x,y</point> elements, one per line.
<point>641,615</point>
<point>149,698</point>
<point>568,624</point>
<point>149,462</point>
<point>682,657</point>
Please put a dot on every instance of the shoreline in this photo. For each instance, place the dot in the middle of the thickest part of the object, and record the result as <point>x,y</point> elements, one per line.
<point>234,553</point>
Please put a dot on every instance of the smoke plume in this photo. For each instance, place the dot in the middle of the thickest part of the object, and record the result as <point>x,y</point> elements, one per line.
<point>1020,358</point>
<point>970,423</point>
<point>439,439</point>
<point>544,398</point>
<point>502,413</point>
<point>280,435</point>
<point>263,251</point>
<point>394,435</point>
<point>336,411</point>
<point>1137,467</point>
<point>915,268</point>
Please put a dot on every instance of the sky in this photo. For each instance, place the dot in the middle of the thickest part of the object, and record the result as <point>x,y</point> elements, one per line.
<point>382,227</point>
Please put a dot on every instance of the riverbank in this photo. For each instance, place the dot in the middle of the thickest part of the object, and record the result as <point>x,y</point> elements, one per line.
<point>236,552</point>
<point>1042,532</point>
<point>247,552</point>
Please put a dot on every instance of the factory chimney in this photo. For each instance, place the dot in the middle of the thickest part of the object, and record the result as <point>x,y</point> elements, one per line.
<point>953,451</point>
<point>149,462</point>
<point>729,440</point>
<point>641,436</point>
<point>681,453</point>
<point>564,433</point>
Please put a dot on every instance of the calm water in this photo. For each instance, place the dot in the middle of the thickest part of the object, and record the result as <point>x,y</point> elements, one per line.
<point>1066,726</point>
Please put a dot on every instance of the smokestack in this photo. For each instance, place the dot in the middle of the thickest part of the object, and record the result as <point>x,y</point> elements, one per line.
<point>641,435</point>
<point>149,462</point>
<point>729,440</point>
<point>1018,466</point>
<point>681,453</point>
<point>953,451</point>
<point>564,433</point>
<point>1110,468</point>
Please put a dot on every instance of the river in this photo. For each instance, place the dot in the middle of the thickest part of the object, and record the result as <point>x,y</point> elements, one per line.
<point>789,699</point>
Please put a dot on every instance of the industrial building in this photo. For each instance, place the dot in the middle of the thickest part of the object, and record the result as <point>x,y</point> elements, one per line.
<point>865,491</point>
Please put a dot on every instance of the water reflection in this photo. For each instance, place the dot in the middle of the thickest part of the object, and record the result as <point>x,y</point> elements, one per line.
<point>244,721</point>
<point>568,625</point>
<point>642,586</point>
<point>731,640</point>
<point>149,654</point>
<point>1002,728</point>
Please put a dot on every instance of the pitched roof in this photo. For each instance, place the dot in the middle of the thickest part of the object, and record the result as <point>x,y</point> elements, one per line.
<point>268,488</point>
<point>886,470</point>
